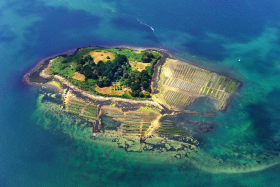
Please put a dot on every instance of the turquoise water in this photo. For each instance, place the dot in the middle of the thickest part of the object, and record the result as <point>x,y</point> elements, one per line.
<point>214,34</point>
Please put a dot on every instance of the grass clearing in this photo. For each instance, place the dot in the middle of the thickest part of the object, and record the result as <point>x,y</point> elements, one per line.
<point>101,55</point>
<point>139,66</point>
<point>78,76</point>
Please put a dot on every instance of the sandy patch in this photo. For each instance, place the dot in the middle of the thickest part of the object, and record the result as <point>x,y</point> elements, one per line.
<point>139,66</point>
<point>78,76</point>
<point>102,55</point>
<point>166,70</point>
<point>172,64</point>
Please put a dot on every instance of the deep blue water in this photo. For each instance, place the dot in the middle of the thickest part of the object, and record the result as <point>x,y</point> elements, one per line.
<point>212,34</point>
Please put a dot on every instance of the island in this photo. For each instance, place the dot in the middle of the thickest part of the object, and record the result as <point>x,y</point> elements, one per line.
<point>144,103</point>
<point>133,88</point>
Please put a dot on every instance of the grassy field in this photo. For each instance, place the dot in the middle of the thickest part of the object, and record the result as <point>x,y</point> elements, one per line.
<point>78,76</point>
<point>139,66</point>
<point>103,55</point>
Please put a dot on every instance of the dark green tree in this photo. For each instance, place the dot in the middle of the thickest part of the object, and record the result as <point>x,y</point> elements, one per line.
<point>120,71</point>
<point>125,74</point>
<point>135,93</point>
<point>92,64</point>
<point>94,76</point>
<point>121,59</point>
<point>79,68</point>
<point>107,82</point>
<point>141,94</point>
<point>144,73</point>
<point>81,61</point>
<point>145,84</point>
<point>110,75</point>
<point>87,71</point>
<point>88,58</point>
<point>101,67</point>
<point>116,76</point>
<point>100,83</point>
<point>135,85</point>
<point>147,57</point>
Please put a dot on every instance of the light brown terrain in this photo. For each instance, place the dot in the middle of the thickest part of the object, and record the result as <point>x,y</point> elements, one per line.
<point>78,76</point>
<point>139,66</point>
<point>109,90</point>
<point>102,55</point>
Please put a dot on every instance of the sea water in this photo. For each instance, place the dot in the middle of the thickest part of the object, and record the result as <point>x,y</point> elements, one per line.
<point>211,34</point>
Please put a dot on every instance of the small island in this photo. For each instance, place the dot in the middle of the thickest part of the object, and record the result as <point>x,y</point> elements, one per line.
<point>134,88</point>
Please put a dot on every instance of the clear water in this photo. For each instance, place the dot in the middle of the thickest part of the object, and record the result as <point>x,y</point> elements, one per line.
<point>212,34</point>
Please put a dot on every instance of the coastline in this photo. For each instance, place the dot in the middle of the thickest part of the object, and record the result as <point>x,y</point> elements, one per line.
<point>38,74</point>
<point>42,61</point>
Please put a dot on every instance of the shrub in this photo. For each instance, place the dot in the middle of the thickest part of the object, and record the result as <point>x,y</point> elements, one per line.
<point>141,94</point>
<point>147,94</point>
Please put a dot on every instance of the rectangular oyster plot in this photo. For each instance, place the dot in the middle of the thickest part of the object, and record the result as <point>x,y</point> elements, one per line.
<point>81,108</point>
<point>180,83</point>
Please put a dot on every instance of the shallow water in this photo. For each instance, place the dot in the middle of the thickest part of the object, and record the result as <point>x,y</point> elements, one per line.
<point>41,151</point>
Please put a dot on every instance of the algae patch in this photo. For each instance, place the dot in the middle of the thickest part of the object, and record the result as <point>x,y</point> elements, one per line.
<point>55,83</point>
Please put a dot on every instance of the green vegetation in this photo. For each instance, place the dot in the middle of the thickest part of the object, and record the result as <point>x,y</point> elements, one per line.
<point>40,66</point>
<point>55,83</point>
<point>48,71</point>
<point>217,96</point>
<point>224,82</point>
<point>232,87</point>
<point>220,81</point>
<point>210,90</point>
<point>148,109</point>
<point>168,129</point>
<point>93,118</point>
<point>104,73</point>
<point>177,99</point>
<point>228,85</point>
<point>89,114</point>
<point>79,102</point>
<point>131,128</point>
<point>205,91</point>
<point>74,110</point>
<point>214,93</point>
